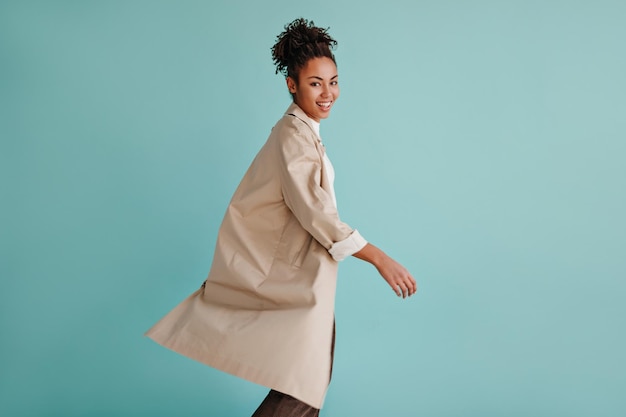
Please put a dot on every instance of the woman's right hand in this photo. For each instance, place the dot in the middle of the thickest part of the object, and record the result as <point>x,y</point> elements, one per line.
<point>397,276</point>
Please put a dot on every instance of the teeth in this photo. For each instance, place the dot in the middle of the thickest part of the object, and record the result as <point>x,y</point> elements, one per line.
<point>326,104</point>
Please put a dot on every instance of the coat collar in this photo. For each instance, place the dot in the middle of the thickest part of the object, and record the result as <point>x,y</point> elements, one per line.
<point>295,110</point>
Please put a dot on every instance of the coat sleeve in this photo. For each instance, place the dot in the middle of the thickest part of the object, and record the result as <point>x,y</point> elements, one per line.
<point>301,170</point>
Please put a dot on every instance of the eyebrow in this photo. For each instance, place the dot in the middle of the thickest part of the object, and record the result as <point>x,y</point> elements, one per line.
<point>321,79</point>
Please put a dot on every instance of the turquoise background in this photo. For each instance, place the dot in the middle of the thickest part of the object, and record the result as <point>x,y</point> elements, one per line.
<point>481,143</point>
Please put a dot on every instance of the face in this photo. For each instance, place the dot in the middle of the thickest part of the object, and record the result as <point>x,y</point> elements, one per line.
<point>317,88</point>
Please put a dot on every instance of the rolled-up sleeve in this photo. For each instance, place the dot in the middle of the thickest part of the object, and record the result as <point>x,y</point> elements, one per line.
<point>347,247</point>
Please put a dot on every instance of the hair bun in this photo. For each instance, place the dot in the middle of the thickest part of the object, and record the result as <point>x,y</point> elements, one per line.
<point>300,41</point>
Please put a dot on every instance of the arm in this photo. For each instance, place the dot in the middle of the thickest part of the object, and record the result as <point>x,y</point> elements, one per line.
<point>300,167</point>
<point>398,278</point>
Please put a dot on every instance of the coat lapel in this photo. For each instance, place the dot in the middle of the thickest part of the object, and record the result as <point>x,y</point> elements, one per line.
<point>296,111</point>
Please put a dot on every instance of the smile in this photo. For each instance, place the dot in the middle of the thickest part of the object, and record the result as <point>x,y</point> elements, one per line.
<point>324,104</point>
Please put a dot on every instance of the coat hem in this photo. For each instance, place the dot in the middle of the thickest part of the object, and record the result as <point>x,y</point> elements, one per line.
<point>241,370</point>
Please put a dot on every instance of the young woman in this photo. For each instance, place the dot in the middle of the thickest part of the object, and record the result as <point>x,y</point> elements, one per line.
<point>266,311</point>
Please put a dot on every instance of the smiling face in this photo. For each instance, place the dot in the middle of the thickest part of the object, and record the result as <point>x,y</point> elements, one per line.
<point>317,88</point>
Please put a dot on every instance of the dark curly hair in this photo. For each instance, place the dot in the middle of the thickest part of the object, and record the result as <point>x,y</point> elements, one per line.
<point>300,42</point>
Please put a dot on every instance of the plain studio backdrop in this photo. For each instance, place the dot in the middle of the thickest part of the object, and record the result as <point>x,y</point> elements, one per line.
<point>481,143</point>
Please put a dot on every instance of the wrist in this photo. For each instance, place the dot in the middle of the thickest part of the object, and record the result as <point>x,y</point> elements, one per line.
<point>371,254</point>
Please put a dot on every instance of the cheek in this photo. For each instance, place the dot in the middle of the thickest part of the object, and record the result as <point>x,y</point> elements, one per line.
<point>313,96</point>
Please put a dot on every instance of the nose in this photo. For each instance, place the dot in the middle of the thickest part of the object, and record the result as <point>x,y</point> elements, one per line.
<point>325,90</point>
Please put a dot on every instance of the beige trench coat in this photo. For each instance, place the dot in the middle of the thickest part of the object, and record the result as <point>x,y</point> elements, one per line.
<point>266,311</point>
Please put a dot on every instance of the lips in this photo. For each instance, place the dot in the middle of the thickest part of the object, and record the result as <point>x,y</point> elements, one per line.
<point>324,105</point>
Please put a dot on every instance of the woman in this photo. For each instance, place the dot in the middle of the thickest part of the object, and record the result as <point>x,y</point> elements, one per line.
<point>266,311</point>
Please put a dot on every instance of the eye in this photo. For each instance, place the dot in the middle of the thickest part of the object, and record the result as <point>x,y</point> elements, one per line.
<point>334,82</point>
<point>315,84</point>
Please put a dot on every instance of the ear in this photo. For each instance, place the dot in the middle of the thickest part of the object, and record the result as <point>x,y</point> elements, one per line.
<point>291,85</point>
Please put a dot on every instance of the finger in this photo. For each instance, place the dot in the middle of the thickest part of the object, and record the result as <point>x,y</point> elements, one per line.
<point>409,289</point>
<point>403,289</point>
<point>406,288</point>
<point>396,289</point>
<point>412,285</point>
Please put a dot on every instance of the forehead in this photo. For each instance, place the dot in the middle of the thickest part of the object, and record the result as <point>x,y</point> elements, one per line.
<point>321,67</point>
